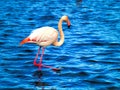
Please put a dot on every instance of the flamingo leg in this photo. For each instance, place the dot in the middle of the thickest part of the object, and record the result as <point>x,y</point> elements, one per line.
<point>35,60</point>
<point>40,63</point>
<point>54,69</point>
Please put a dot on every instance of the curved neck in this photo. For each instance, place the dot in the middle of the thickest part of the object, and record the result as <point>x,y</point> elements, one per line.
<point>59,43</point>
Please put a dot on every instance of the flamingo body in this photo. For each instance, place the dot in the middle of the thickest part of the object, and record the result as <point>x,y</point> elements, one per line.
<point>43,36</point>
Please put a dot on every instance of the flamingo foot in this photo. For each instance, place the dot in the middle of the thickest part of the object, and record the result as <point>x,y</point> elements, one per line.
<point>40,65</point>
<point>54,69</point>
<point>36,64</point>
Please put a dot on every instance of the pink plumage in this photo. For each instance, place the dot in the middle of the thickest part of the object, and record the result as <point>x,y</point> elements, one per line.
<point>43,36</point>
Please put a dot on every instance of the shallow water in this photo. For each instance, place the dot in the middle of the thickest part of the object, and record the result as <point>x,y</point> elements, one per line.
<point>89,58</point>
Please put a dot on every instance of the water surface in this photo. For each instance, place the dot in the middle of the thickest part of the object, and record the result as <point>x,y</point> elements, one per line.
<point>89,58</point>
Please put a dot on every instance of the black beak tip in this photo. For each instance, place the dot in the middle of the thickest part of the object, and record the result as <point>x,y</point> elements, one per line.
<point>69,26</point>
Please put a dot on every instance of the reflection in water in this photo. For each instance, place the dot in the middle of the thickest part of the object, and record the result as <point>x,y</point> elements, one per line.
<point>39,82</point>
<point>78,2</point>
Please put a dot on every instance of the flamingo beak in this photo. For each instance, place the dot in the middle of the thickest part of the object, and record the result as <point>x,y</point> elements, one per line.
<point>68,23</point>
<point>25,41</point>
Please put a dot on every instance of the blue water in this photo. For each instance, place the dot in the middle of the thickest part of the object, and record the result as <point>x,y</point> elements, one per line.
<point>89,58</point>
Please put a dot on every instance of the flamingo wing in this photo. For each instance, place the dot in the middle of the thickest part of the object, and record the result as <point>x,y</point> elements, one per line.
<point>43,36</point>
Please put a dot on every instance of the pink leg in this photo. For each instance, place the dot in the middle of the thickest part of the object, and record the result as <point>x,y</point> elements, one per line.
<point>40,63</point>
<point>35,60</point>
<point>54,69</point>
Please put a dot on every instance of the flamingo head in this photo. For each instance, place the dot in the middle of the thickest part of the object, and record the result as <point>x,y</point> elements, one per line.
<point>66,19</point>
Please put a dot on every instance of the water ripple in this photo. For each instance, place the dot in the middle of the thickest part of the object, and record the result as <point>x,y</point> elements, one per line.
<point>89,58</point>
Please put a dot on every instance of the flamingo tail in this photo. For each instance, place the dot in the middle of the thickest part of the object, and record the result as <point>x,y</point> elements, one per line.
<point>25,41</point>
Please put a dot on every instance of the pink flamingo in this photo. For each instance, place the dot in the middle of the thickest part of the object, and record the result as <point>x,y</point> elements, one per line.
<point>46,36</point>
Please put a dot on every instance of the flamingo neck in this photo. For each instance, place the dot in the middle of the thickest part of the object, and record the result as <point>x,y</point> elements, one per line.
<point>59,43</point>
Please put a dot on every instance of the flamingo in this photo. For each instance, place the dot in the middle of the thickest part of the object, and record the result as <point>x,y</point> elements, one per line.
<point>44,37</point>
